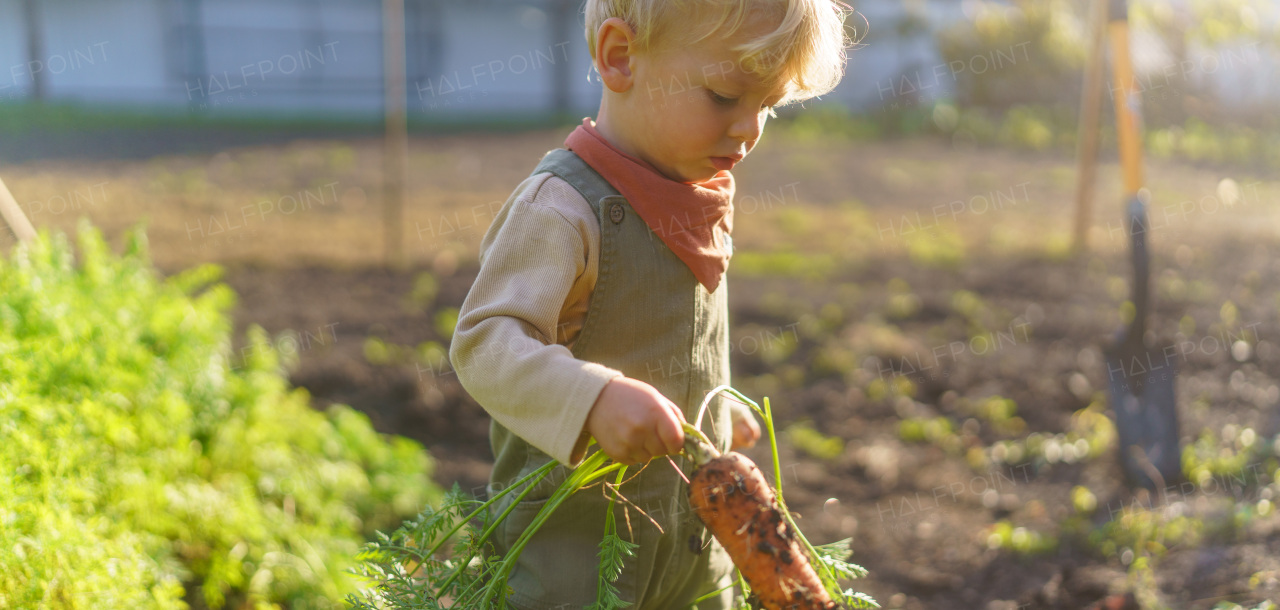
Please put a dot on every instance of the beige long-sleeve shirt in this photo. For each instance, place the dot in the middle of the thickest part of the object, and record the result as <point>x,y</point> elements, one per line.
<point>539,261</point>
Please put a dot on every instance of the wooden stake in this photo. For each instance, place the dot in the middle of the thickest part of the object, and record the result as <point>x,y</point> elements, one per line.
<point>35,48</point>
<point>396,145</point>
<point>1087,131</point>
<point>13,216</point>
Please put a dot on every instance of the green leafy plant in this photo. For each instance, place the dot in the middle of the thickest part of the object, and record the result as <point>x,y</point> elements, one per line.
<point>1003,535</point>
<point>613,551</point>
<point>1266,605</point>
<point>440,560</point>
<point>819,445</point>
<point>142,468</point>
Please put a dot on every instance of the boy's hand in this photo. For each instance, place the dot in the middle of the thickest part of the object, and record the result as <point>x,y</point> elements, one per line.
<point>745,429</point>
<point>634,422</point>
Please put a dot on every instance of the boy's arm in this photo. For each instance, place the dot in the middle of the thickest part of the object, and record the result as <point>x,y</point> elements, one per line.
<point>505,348</point>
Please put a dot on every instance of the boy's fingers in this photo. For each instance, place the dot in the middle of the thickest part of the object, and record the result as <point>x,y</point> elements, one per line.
<point>676,412</point>
<point>622,458</point>
<point>653,448</point>
<point>664,437</point>
<point>633,454</point>
<point>670,434</point>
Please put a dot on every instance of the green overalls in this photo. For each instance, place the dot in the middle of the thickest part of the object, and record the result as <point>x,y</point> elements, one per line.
<point>649,318</point>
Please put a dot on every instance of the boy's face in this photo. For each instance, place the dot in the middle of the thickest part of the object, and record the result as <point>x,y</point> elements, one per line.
<point>693,111</point>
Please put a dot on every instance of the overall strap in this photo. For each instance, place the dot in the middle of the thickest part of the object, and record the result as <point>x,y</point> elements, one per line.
<point>649,318</point>
<point>572,169</point>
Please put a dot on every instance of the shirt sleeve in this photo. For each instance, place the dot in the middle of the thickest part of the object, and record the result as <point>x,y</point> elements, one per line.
<point>504,347</point>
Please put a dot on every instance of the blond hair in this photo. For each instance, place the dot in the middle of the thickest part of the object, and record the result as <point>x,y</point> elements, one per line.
<point>806,49</point>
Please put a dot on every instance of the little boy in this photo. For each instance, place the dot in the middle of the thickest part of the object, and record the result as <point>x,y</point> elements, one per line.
<point>600,309</point>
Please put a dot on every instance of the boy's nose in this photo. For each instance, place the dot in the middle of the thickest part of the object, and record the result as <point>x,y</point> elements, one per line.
<point>748,128</point>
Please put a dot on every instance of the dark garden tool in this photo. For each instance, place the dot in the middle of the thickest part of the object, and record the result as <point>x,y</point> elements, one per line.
<point>1140,380</point>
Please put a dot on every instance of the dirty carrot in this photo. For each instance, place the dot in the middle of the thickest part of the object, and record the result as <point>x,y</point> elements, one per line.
<point>732,498</point>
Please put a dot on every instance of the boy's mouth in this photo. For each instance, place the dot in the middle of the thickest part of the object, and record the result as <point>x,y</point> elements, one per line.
<point>724,163</point>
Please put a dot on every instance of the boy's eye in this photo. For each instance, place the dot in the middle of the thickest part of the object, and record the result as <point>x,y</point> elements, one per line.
<point>722,100</point>
<point>730,101</point>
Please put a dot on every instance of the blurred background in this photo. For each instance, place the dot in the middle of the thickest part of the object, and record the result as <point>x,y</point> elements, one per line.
<point>931,266</point>
<point>491,57</point>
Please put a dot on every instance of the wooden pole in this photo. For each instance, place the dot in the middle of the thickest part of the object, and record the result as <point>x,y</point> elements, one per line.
<point>13,216</point>
<point>562,17</point>
<point>193,54</point>
<point>1087,131</point>
<point>35,49</point>
<point>396,144</point>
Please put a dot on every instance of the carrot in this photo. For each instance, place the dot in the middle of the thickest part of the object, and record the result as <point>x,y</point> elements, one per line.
<point>732,499</point>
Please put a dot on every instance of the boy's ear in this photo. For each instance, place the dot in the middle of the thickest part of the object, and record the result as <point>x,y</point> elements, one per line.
<point>614,53</point>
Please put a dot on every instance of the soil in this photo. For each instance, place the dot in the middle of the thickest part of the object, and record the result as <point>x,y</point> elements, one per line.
<point>916,514</point>
<point>871,301</point>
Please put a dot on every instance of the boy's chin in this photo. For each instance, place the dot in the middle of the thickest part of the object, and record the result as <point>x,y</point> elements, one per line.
<point>699,175</point>
<point>690,173</point>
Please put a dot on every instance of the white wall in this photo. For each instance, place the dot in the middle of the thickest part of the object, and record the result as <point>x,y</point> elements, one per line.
<point>94,51</point>
<point>507,68</point>
<point>490,57</point>
<point>321,57</point>
<point>12,42</point>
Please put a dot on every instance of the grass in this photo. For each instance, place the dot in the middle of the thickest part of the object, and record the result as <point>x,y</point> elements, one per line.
<point>27,117</point>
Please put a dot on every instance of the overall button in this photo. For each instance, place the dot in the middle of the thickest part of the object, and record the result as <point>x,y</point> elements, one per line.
<point>616,213</point>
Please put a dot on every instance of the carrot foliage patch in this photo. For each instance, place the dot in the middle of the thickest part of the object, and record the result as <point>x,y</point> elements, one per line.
<point>143,466</point>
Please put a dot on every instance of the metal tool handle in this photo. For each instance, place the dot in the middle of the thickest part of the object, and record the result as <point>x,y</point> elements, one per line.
<point>1128,103</point>
<point>1128,100</point>
<point>1141,286</point>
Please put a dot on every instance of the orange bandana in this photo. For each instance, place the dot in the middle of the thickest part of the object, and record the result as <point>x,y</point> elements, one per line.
<point>693,219</point>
